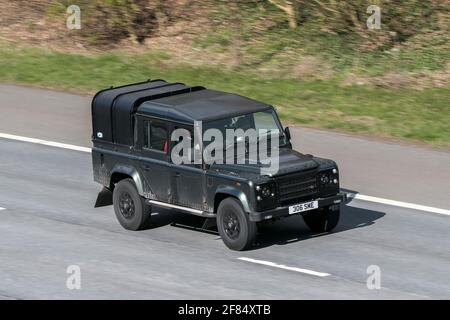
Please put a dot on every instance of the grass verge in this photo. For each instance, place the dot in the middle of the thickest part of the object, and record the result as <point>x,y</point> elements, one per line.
<point>403,113</point>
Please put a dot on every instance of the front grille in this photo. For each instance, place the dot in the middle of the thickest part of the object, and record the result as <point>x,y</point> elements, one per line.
<point>297,187</point>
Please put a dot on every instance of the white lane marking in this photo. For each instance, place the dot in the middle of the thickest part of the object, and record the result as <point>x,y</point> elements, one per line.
<point>398,203</point>
<point>350,195</point>
<point>280,266</point>
<point>2,208</point>
<point>44,142</point>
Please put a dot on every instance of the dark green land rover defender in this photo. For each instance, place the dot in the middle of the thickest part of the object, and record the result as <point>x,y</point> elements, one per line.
<point>132,154</point>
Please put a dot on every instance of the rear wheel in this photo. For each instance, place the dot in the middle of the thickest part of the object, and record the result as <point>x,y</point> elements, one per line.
<point>322,220</point>
<point>129,206</point>
<point>235,228</point>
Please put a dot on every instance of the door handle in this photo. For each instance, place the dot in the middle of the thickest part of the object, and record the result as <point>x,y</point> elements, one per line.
<point>146,168</point>
<point>177,174</point>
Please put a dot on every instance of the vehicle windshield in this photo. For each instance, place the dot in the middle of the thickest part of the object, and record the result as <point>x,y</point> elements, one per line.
<point>262,120</point>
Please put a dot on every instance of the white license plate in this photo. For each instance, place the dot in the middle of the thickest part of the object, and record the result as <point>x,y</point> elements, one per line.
<point>301,207</point>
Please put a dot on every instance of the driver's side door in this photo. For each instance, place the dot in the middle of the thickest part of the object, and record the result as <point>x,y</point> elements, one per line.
<point>153,162</point>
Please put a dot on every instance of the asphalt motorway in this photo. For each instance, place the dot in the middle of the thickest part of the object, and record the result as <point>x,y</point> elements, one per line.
<point>48,223</point>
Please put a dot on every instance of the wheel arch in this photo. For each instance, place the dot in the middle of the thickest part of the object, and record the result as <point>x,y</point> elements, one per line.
<point>121,172</point>
<point>224,192</point>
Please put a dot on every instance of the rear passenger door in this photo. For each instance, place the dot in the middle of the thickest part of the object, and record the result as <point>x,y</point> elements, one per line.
<point>152,146</point>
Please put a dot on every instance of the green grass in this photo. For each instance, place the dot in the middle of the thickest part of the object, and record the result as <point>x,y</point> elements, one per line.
<point>409,114</point>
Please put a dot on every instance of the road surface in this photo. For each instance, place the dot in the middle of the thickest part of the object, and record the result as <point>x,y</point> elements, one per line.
<point>48,223</point>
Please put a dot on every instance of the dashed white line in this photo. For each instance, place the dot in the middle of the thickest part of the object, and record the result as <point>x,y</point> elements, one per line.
<point>44,142</point>
<point>280,266</point>
<point>2,208</point>
<point>399,204</point>
<point>353,196</point>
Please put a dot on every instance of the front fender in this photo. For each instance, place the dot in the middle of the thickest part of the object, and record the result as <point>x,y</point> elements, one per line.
<point>237,193</point>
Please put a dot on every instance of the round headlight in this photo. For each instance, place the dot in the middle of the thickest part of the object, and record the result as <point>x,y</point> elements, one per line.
<point>335,171</point>
<point>324,178</point>
<point>266,192</point>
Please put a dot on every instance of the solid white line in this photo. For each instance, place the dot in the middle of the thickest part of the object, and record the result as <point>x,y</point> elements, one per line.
<point>350,195</point>
<point>398,203</point>
<point>45,142</point>
<point>280,266</point>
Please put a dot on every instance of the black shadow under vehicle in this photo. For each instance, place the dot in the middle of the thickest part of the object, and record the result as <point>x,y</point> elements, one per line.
<point>132,129</point>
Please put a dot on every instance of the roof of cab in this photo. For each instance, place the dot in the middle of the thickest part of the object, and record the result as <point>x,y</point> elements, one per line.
<point>204,105</point>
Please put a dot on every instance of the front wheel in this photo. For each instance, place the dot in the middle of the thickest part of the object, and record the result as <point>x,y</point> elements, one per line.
<point>323,219</point>
<point>235,228</point>
<point>130,208</point>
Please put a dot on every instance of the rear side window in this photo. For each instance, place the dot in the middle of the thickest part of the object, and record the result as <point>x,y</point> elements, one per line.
<point>155,136</point>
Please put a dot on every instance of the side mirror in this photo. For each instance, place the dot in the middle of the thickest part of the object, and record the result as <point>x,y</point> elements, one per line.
<point>287,133</point>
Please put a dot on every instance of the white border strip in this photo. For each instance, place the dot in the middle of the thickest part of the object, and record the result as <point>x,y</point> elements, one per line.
<point>280,266</point>
<point>398,203</point>
<point>350,195</point>
<point>45,142</point>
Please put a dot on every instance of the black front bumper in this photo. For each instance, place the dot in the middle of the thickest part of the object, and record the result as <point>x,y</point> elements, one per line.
<point>284,211</point>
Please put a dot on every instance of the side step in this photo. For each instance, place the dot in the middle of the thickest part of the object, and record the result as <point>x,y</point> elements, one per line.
<point>209,225</point>
<point>181,208</point>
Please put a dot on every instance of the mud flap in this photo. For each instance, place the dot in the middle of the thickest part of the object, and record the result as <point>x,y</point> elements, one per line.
<point>104,198</point>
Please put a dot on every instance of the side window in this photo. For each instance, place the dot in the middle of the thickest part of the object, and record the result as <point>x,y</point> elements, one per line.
<point>155,136</point>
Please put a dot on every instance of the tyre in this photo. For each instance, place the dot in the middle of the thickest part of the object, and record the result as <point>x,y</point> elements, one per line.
<point>322,220</point>
<point>236,230</point>
<point>129,206</point>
